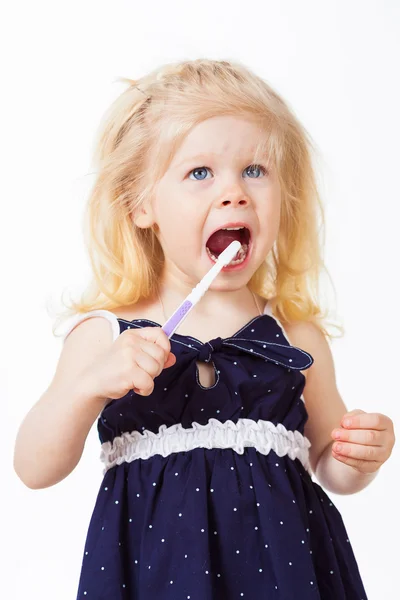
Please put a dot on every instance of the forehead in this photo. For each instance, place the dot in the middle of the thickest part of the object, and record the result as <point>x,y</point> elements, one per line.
<point>227,136</point>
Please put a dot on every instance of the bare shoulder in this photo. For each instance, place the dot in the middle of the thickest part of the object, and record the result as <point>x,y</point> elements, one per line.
<point>307,336</point>
<point>89,338</point>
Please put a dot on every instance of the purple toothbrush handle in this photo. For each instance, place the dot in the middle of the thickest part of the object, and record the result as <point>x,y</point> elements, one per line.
<point>178,316</point>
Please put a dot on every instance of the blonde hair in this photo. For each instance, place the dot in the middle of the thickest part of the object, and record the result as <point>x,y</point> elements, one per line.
<point>136,141</point>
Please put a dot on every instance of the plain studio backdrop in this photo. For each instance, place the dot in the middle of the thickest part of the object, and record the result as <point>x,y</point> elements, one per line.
<point>336,64</point>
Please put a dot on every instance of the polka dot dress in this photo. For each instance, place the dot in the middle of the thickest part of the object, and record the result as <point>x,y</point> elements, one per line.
<point>207,492</point>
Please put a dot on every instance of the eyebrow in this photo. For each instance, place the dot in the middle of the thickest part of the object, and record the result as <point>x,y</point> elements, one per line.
<point>197,159</point>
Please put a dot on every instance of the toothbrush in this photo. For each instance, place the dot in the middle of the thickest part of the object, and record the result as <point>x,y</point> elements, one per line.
<point>198,292</point>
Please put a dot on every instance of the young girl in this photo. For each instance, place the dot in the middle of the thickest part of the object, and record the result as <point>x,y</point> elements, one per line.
<point>209,439</point>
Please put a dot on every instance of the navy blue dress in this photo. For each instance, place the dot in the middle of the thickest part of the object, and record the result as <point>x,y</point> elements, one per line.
<point>207,492</point>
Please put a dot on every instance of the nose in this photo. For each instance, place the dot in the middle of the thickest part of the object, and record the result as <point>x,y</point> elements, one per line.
<point>235,196</point>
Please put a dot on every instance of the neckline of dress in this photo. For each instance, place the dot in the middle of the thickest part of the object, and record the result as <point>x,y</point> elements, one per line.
<point>256,318</point>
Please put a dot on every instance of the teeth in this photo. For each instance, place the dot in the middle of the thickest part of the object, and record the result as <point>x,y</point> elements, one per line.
<point>231,228</point>
<point>242,253</point>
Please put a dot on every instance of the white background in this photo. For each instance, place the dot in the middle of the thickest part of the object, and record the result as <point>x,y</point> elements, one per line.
<point>336,64</point>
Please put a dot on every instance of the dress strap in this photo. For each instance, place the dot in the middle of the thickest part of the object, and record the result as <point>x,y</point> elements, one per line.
<point>73,321</point>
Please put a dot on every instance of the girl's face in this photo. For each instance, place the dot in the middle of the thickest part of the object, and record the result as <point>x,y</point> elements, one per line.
<point>212,184</point>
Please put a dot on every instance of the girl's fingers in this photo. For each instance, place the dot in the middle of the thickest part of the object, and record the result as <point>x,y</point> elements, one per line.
<point>363,420</point>
<point>359,452</point>
<point>367,437</point>
<point>149,364</point>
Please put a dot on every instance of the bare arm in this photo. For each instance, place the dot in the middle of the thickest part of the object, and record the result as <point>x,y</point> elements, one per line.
<point>325,408</point>
<point>52,436</point>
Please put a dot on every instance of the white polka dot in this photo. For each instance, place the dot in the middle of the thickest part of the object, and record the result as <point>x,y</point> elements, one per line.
<point>176,474</point>
<point>311,582</point>
<point>136,562</point>
<point>252,330</point>
<point>186,395</point>
<point>232,468</point>
<point>266,545</point>
<point>211,490</point>
<point>302,541</point>
<point>258,504</point>
<point>163,540</point>
<point>185,555</point>
<point>290,564</point>
<point>180,514</point>
<point>171,581</point>
<point>202,409</point>
<point>218,411</point>
<point>235,509</point>
<point>237,551</point>
<point>215,533</point>
<point>150,526</point>
<point>197,489</point>
<point>149,566</point>
<point>251,487</point>
<point>165,389</point>
<point>130,520</point>
<point>256,528</point>
<point>117,502</point>
<point>102,568</point>
<point>310,512</point>
<point>202,530</point>
<point>277,464</point>
<point>86,552</point>
<point>218,574</point>
<point>84,593</point>
<point>331,572</point>
<point>154,483</point>
<point>260,570</point>
<point>235,363</point>
<point>281,522</point>
<point>106,488</point>
<point>138,495</point>
<point>206,572</point>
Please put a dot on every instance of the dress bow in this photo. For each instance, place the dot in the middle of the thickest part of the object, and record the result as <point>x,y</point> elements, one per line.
<point>281,354</point>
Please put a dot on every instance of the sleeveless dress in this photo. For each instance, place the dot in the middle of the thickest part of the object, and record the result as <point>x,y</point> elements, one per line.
<point>207,492</point>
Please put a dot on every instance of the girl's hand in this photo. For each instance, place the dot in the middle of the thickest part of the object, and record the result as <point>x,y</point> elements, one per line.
<point>365,441</point>
<point>132,362</point>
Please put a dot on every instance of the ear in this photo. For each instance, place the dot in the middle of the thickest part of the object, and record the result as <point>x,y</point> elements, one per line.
<point>143,217</point>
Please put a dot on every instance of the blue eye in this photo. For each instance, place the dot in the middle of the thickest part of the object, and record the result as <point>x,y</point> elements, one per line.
<point>201,171</point>
<point>253,171</point>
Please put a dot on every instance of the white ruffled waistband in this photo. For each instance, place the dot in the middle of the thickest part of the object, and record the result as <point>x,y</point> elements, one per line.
<point>264,436</point>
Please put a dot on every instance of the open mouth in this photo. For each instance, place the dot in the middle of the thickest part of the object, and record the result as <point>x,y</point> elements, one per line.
<point>221,239</point>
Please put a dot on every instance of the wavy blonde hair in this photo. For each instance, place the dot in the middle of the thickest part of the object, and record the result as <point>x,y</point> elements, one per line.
<point>137,138</point>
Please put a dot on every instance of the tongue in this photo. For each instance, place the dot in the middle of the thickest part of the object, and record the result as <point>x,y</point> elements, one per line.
<point>221,240</point>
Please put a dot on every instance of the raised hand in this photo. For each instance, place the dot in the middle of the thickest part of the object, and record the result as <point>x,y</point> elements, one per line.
<point>364,441</point>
